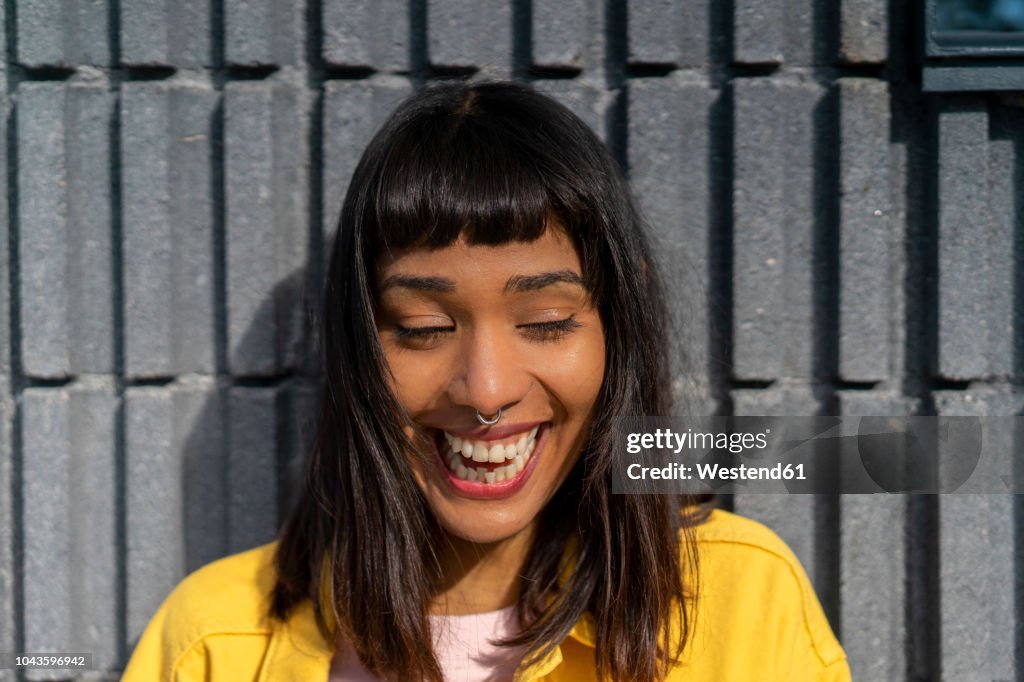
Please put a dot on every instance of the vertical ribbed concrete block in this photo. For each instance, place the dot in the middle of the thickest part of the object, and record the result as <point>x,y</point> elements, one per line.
<point>155,558</point>
<point>793,517</point>
<point>1006,203</point>
<point>267,227</point>
<point>5,280</point>
<point>43,251</point>
<point>3,46</point>
<point>873,563</point>
<point>70,559</point>
<point>3,72</point>
<point>587,99</point>
<point>774,223</point>
<point>200,436</point>
<point>863,31</point>
<point>59,33</point>
<point>353,111</point>
<point>669,135</point>
<point>560,32</point>
<point>975,259</point>
<point>366,34</point>
<point>963,246</point>
<point>8,570</point>
<point>66,279</point>
<point>871,252</point>
<point>175,490</point>
<point>263,32</point>
<point>470,33</point>
<point>773,31</point>
<point>252,472</point>
<point>157,32</point>
<point>978,625</point>
<point>668,32</point>
<point>168,223</point>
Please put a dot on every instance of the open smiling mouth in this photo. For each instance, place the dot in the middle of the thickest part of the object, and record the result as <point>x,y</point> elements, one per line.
<point>488,468</point>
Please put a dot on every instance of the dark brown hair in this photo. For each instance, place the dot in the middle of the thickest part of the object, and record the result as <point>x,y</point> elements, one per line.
<point>492,162</point>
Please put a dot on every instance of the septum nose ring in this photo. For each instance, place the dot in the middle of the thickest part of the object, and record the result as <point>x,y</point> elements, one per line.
<point>488,422</point>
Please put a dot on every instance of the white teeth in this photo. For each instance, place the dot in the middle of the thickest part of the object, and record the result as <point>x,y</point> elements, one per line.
<point>482,475</point>
<point>514,457</point>
<point>484,451</point>
<point>480,453</point>
<point>497,454</point>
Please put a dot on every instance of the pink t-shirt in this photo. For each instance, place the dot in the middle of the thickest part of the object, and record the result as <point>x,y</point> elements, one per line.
<point>462,646</point>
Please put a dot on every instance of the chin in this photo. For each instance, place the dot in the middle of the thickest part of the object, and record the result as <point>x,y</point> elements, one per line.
<point>486,528</point>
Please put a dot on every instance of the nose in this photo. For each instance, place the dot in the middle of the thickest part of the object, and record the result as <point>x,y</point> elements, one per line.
<point>491,374</point>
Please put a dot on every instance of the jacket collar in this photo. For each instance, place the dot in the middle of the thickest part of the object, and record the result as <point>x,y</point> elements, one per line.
<point>298,651</point>
<point>585,630</point>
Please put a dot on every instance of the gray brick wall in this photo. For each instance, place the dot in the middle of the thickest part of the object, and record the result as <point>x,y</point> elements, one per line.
<point>836,242</point>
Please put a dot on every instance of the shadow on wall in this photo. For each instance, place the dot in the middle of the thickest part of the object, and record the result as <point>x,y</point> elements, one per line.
<point>248,434</point>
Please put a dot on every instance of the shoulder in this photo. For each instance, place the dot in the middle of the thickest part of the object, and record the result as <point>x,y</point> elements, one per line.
<point>748,578</point>
<point>730,545</point>
<point>225,602</point>
<point>724,530</point>
<point>231,593</point>
<point>727,540</point>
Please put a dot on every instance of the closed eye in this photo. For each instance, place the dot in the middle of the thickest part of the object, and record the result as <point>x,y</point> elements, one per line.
<point>420,332</point>
<point>546,332</point>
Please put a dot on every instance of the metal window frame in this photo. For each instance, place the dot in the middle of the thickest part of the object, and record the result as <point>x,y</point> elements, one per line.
<point>970,61</point>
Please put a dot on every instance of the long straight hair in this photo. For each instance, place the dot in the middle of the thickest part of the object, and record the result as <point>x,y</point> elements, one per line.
<point>494,163</point>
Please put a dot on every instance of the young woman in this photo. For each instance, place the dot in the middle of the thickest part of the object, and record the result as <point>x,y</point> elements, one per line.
<point>491,306</point>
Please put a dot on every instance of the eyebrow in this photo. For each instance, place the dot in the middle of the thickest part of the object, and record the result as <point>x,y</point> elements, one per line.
<point>522,283</point>
<point>436,284</point>
<point>516,284</point>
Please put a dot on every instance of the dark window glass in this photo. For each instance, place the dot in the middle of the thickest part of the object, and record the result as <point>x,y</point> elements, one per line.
<point>979,15</point>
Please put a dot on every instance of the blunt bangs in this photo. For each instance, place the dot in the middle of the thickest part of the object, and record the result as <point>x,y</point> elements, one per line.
<point>471,160</point>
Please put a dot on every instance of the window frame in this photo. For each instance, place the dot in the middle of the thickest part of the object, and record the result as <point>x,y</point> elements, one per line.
<point>966,61</point>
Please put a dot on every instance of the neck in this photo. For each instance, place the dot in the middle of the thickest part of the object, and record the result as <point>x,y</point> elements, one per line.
<point>480,577</point>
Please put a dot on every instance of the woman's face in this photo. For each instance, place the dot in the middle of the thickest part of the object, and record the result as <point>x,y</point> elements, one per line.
<point>469,328</point>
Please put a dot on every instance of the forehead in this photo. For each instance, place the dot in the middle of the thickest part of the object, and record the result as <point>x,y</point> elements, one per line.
<point>553,250</point>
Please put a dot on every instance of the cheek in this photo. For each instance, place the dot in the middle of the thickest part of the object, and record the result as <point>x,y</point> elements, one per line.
<point>575,373</point>
<point>414,382</point>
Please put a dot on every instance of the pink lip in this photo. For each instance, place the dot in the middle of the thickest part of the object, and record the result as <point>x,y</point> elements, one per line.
<point>494,491</point>
<point>486,433</point>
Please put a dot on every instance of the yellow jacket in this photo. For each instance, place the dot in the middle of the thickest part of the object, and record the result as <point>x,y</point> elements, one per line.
<point>757,619</point>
